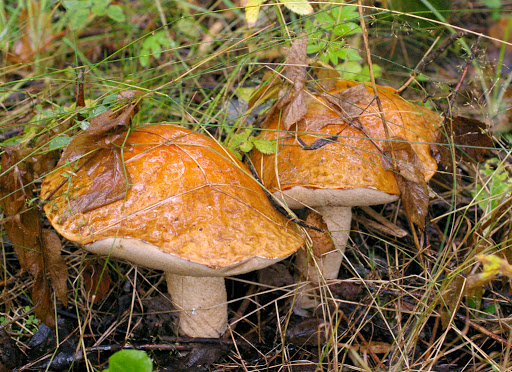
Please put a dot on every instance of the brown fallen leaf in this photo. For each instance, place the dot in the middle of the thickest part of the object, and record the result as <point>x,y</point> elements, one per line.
<point>106,131</point>
<point>326,75</point>
<point>321,240</point>
<point>469,137</point>
<point>21,223</point>
<point>38,250</point>
<point>408,171</point>
<point>109,184</point>
<point>55,264</point>
<point>292,105</point>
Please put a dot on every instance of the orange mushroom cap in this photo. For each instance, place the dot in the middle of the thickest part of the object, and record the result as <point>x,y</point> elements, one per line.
<point>191,209</point>
<point>354,162</point>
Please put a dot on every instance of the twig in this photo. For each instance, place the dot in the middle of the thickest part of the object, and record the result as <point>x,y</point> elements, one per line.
<point>80,97</point>
<point>482,330</point>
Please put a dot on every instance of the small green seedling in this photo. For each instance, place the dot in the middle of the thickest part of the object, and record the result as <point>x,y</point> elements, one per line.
<point>130,361</point>
<point>243,142</point>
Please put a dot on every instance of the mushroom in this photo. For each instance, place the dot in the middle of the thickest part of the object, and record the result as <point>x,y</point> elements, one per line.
<point>191,209</point>
<point>333,159</point>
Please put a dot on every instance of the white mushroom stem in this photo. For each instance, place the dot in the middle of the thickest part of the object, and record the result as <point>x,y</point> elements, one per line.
<point>327,266</point>
<point>202,304</point>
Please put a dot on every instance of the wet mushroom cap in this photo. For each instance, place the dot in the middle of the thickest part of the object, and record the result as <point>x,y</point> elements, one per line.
<point>192,208</point>
<point>349,171</point>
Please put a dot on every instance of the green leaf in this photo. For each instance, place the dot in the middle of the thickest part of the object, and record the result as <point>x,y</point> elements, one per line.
<point>99,9</point>
<point>78,18</point>
<point>365,73</point>
<point>347,12</point>
<point>324,18</point>
<point>345,29</point>
<point>313,47</point>
<point>301,7</point>
<point>157,51</point>
<point>352,55</point>
<point>96,110</point>
<point>74,5</point>
<point>144,59</point>
<point>130,361</point>
<point>264,146</point>
<point>494,184</point>
<point>246,146</point>
<point>110,98</point>
<point>58,142</point>
<point>164,40</point>
<point>115,12</point>
<point>350,70</point>
<point>333,58</point>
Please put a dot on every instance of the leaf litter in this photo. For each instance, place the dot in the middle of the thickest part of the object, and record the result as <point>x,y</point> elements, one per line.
<point>38,249</point>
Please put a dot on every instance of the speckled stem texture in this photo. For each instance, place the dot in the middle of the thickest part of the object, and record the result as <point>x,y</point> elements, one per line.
<point>202,304</point>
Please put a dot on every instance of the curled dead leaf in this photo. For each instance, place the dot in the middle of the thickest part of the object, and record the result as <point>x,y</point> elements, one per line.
<point>410,177</point>
<point>38,250</point>
<point>55,264</point>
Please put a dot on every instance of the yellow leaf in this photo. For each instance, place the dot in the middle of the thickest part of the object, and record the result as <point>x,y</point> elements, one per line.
<point>252,9</point>
<point>492,267</point>
<point>301,7</point>
<point>495,265</point>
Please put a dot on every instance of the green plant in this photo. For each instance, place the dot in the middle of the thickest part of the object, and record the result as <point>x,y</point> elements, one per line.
<point>82,12</point>
<point>243,142</point>
<point>328,31</point>
<point>153,45</point>
<point>130,360</point>
<point>493,185</point>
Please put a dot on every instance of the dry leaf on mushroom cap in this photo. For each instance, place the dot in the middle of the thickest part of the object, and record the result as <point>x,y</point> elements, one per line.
<point>107,130</point>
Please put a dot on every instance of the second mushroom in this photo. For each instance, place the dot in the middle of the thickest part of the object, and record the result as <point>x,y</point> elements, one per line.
<point>334,159</point>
